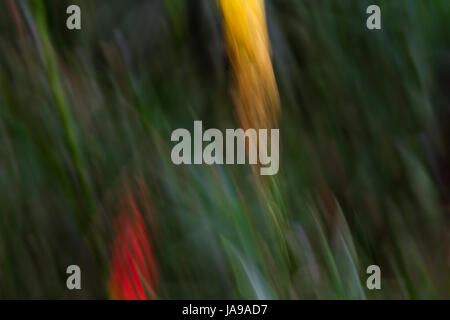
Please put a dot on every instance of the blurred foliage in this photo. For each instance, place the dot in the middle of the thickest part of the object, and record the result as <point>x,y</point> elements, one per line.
<point>86,118</point>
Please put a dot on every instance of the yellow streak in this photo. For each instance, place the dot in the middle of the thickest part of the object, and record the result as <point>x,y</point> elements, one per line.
<point>256,98</point>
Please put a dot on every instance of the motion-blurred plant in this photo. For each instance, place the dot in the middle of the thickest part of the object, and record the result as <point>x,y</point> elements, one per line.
<point>85,170</point>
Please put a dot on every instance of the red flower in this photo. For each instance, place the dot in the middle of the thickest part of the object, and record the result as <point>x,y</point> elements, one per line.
<point>133,271</point>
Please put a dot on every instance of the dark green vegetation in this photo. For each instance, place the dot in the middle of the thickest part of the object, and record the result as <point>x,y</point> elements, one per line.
<point>364,175</point>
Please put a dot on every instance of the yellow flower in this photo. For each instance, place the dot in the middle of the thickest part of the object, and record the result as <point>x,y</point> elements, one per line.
<point>256,99</point>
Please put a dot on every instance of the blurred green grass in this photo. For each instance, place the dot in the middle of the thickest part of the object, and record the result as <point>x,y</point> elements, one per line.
<point>364,154</point>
